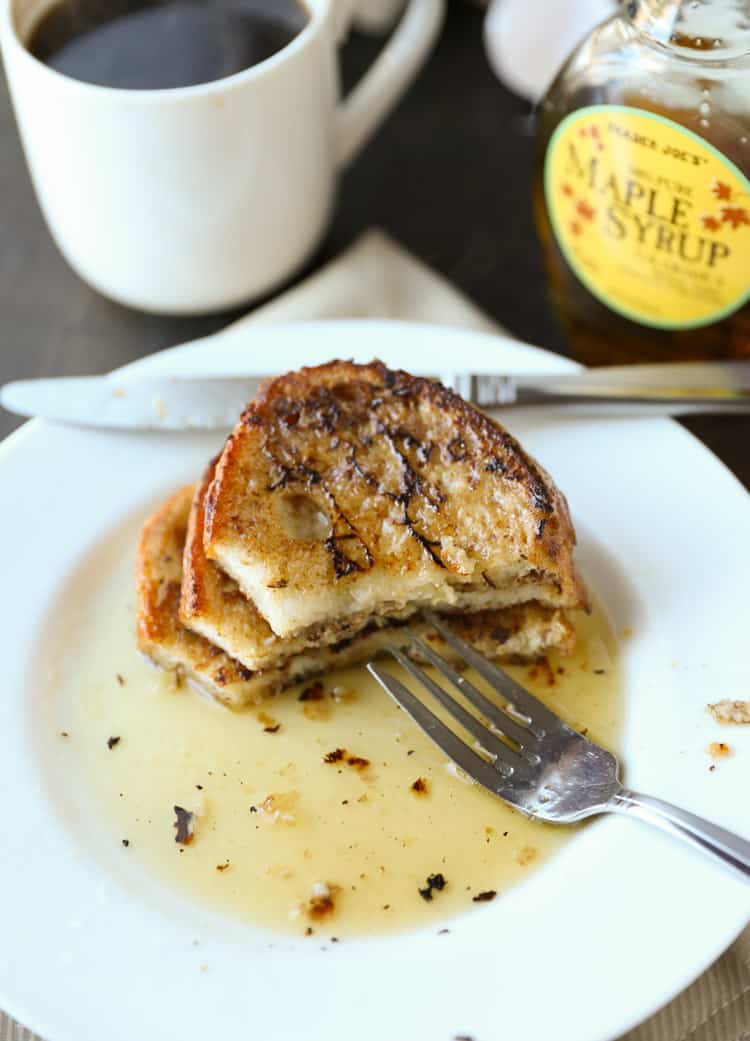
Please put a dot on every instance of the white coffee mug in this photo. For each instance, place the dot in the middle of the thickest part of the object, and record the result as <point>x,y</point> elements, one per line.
<point>194,199</point>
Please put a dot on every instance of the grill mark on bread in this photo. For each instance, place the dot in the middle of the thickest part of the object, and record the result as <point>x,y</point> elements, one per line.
<point>342,563</point>
<point>411,483</point>
<point>298,470</point>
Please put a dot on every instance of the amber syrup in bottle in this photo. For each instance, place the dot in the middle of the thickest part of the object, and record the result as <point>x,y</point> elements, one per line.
<point>642,191</point>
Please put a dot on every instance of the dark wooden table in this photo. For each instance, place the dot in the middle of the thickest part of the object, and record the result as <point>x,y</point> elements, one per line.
<point>448,177</point>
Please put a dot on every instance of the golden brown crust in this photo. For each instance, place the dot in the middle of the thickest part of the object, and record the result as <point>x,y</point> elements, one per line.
<point>160,634</point>
<point>210,599</point>
<point>378,454</point>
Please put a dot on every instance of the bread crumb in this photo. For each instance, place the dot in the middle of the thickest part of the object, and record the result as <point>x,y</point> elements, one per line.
<point>280,806</point>
<point>317,710</point>
<point>719,750</point>
<point>321,903</point>
<point>525,855</point>
<point>342,694</point>
<point>269,724</point>
<point>731,712</point>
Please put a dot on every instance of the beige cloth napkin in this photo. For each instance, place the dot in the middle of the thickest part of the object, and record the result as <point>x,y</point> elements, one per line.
<point>376,278</point>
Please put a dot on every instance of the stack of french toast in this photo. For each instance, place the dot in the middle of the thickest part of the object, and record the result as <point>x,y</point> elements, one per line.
<point>348,500</point>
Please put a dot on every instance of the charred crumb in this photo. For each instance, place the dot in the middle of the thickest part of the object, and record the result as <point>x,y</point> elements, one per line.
<point>199,787</point>
<point>484,897</point>
<point>334,939</point>
<point>340,755</point>
<point>64,733</point>
<point>600,672</point>
<point>253,809</point>
<point>712,767</point>
<point>410,751</point>
<point>315,692</point>
<point>185,825</point>
<point>433,882</point>
<point>540,527</point>
<point>443,932</point>
<point>463,1037</point>
<point>223,867</point>
<point>126,843</point>
<point>420,786</point>
<point>309,931</point>
<point>272,729</point>
<point>120,679</point>
<point>112,742</point>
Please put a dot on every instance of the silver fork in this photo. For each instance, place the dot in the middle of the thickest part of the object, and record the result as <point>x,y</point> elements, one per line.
<point>531,758</point>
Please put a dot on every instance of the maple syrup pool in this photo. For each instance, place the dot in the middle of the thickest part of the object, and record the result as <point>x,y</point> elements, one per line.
<point>283,838</point>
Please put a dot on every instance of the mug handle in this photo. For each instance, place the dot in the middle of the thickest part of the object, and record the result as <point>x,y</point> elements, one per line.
<point>365,108</point>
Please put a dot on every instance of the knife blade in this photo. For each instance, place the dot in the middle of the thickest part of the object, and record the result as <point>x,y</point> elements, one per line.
<point>215,402</point>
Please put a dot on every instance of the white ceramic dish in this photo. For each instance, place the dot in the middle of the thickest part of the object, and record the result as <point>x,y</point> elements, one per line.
<point>602,935</point>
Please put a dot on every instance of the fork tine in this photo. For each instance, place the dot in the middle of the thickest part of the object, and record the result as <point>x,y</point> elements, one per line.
<point>456,749</point>
<point>496,715</point>
<point>540,716</point>
<point>505,757</point>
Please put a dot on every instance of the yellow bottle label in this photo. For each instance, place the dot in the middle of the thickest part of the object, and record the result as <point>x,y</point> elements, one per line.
<point>653,219</point>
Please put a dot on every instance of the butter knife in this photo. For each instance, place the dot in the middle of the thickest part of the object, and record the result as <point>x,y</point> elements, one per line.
<point>214,402</point>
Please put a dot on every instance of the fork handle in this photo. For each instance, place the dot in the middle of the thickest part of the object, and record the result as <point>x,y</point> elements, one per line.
<point>732,850</point>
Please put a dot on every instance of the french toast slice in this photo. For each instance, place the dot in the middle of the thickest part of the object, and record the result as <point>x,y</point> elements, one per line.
<point>524,632</point>
<point>347,492</point>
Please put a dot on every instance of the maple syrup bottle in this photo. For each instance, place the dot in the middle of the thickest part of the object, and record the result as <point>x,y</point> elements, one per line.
<point>642,197</point>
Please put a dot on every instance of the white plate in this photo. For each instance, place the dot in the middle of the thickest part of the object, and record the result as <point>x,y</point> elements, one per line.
<point>603,934</point>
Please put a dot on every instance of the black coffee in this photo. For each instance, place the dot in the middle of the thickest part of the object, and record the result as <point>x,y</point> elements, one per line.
<point>165,43</point>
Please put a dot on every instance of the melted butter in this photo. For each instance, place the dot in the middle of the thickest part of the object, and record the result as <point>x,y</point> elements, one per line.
<point>276,824</point>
